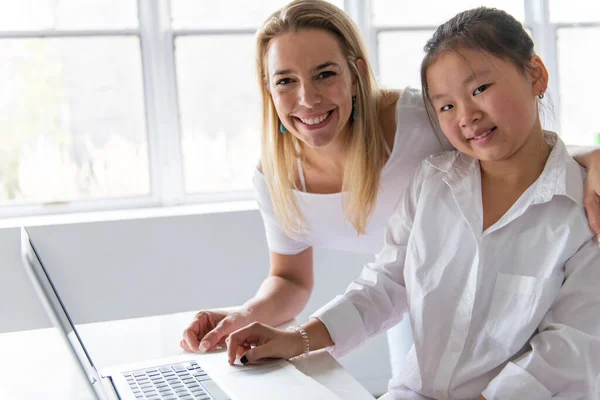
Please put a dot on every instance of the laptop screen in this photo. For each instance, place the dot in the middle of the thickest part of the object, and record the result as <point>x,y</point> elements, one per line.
<point>56,309</point>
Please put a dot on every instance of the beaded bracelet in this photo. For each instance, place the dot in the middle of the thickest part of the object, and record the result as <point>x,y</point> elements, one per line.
<point>305,340</point>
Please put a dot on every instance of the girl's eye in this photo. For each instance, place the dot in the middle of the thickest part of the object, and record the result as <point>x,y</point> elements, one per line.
<point>283,81</point>
<point>325,74</point>
<point>447,107</point>
<point>480,89</point>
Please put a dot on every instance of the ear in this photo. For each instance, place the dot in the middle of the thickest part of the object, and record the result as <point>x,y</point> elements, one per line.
<point>538,74</point>
<point>361,65</point>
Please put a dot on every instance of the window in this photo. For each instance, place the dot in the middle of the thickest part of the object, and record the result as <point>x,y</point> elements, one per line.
<point>577,28</point>
<point>218,93</point>
<point>129,103</point>
<point>72,102</point>
<point>401,32</point>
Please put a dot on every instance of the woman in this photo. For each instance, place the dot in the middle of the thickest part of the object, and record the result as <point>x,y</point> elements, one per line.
<point>337,154</point>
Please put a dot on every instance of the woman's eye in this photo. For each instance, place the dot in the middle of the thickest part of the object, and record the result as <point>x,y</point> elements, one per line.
<point>447,107</point>
<point>480,89</point>
<point>325,74</point>
<point>283,81</point>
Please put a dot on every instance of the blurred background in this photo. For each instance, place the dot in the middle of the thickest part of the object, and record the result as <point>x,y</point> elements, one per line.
<point>112,104</point>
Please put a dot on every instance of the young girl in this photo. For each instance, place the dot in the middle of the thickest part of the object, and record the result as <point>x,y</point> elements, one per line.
<point>489,250</point>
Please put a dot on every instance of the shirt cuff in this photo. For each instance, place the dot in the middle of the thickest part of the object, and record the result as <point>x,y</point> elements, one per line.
<point>514,382</point>
<point>344,324</point>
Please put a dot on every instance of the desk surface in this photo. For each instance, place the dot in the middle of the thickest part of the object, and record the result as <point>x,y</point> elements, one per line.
<point>52,373</point>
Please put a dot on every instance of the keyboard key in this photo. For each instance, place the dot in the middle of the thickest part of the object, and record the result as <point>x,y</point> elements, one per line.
<point>178,367</point>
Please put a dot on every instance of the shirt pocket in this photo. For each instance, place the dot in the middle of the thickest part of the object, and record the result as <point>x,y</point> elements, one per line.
<point>519,303</point>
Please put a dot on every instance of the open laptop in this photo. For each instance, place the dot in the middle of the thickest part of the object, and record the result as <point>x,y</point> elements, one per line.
<point>204,377</point>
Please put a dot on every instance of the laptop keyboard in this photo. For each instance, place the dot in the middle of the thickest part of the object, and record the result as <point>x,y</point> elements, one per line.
<point>169,382</point>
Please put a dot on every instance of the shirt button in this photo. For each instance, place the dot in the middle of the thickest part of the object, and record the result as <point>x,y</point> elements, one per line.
<point>469,297</point>
<point>455,347</point>
<point>440,394</point>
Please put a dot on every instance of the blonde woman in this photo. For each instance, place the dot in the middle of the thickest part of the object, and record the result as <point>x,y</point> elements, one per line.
<point>337,154</point>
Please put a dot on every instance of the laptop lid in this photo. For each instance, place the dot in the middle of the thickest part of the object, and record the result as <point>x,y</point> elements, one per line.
<point>57,312</point>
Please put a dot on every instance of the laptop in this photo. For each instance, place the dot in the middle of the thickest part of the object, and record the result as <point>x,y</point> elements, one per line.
<point>189,376</point>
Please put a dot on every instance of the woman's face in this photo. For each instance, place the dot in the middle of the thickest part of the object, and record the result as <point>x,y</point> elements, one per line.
<point>311,85</point>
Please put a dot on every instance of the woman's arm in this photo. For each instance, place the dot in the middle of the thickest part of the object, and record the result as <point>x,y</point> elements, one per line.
<point>286,290</point>
<point>589,157</point>
<point>281,296</point>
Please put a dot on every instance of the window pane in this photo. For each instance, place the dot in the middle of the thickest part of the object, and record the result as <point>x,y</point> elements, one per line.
<point>225,13</point>
<point>72,119</point>
<point>400,55</point>
<point>67,14</point>
<point>435,12</point>
<point>220,114</point>
<point>574,11</point>
<point>578,69</point>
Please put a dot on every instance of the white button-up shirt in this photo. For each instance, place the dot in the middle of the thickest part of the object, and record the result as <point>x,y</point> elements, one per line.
<point>512,312</point>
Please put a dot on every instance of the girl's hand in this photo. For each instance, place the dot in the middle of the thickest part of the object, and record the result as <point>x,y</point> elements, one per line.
<point>257,341</point>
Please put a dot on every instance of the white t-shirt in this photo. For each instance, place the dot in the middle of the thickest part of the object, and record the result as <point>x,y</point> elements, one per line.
<point>414,140</point>
<point>510,312</point>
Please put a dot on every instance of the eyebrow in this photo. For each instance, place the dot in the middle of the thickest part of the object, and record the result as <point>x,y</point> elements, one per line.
<point>317,68</point>
<point>476,74</point>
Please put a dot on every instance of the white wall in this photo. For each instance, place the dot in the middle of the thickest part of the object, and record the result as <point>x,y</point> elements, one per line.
<point>148,266</point>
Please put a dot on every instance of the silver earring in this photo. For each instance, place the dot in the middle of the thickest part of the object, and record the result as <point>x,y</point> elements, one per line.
<point>541,95</point>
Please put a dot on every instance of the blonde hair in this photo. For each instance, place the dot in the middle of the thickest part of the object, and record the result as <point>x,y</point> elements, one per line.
<point>366,154</point>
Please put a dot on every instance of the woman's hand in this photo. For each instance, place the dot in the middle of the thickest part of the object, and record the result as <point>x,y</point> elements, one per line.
<point>257,341</point>
<point>211,327</point>
<point>591,198</point>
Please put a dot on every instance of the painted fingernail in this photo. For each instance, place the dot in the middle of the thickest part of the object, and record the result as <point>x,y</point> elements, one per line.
<point>218,347</point>
<point>204,345</point>
<point>244,360</point>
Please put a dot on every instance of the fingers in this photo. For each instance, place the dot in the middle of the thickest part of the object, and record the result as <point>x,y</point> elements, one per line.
<point>216,336</point>
<point>191,335</point>
<point>184,346</point>
<point>266,350</point>
<point>244,338</point>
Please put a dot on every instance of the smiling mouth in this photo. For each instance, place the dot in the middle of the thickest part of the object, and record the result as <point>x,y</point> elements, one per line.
<point>314,121</point>
<point>483,135</point>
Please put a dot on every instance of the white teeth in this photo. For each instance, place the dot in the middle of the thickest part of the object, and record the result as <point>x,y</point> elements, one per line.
<point>484,134</point>
<point>314,121</point>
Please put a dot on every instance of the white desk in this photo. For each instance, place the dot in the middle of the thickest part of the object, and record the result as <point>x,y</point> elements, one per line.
<point>53,375</point>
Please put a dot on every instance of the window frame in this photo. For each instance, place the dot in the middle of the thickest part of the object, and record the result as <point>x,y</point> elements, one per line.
<point>157,40</point>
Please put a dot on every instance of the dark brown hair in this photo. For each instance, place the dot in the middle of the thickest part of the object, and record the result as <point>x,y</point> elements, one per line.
<point>485,29</point>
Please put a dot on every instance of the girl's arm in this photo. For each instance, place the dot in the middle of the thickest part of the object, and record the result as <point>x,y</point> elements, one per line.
<point>564,359</point>
<point>372,303</point>
<point>377,299</point>
<point>589,157</point>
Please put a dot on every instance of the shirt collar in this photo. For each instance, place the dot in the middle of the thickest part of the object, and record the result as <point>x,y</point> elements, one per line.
<point>561,175</point>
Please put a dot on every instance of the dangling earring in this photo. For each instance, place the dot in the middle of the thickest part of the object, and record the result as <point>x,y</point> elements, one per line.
<point>541,95</point>
<point>354,113</point>
<point>282,128</point>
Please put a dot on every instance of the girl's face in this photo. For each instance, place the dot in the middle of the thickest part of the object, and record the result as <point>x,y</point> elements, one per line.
<point>311,85</point>
<point>486,107</point>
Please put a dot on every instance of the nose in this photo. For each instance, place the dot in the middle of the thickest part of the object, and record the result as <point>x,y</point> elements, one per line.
<point>309,95</point>
<point>470,114</point>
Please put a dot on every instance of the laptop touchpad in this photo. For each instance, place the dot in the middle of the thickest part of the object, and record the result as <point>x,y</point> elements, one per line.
<point>215,392</point>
